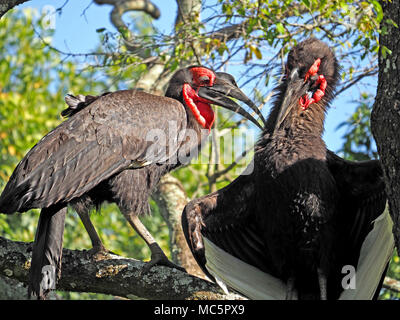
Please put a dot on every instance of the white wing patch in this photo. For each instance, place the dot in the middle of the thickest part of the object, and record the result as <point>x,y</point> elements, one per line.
<point>376,251</point>
<point>242,277</point>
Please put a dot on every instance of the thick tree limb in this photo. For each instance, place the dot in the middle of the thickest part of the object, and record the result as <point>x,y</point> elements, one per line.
<point>229,33</point>
<point>6,5</point>
<point>11,289</point>
<point>114,275</point>
<point>123,6</point>
<point>136,5</point>
<point>187,10</point>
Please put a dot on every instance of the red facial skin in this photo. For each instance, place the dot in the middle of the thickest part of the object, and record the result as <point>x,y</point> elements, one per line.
<point>305,101</point>
<point>199,72</point>
<point>313,69</point>
<point>200,107</point>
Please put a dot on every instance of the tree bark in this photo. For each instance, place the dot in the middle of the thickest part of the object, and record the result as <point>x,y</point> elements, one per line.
<point>187,10</point>
<point>6,5</point>
<point>113,275</point>
<point>11,289</point>
<point>385,117</point>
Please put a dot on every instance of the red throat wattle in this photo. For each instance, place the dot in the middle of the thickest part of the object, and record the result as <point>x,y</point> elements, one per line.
<point>200,107</point>
<point>305,101</point>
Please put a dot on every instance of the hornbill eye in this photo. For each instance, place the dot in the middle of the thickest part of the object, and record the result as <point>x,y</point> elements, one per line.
<point>204,80</point>
<point>202,76</point>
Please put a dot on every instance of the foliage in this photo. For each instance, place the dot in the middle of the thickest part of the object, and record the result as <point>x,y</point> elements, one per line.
<point>358,140</point>
<point>33,82</point>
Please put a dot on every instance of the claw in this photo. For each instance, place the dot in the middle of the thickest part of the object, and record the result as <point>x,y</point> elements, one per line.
<point>98,253</point>
<point>159,258</point>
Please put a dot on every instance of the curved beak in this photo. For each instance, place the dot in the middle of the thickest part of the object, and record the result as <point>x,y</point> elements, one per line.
<point>218,94</point>
<point>295,88</point>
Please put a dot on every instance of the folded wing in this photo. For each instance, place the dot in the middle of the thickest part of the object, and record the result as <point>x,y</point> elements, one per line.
<point>116,131</point>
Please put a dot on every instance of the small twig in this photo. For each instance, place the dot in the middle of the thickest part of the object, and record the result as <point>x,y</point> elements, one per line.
<point>59,10</point>
<point>369,72</point>
<point>213,178</point>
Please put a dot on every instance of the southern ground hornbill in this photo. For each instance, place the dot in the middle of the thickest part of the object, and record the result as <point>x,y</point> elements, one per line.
<point>115,148</point>
<point>304,219</point>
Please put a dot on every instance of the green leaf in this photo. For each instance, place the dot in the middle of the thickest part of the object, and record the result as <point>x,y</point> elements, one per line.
<point>344,6</point>
<point>390,21</point>
<point>378,9</point>
<point>385,51</point>
<point>322,4</point>
<point>280,28</point>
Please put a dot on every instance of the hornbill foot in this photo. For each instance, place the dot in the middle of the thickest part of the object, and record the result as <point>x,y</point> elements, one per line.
<point>99,252</point>
<point>291,292</point>
<point>159,258</point>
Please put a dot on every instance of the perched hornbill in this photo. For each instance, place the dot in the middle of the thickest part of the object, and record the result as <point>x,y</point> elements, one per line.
<point>114,148</point>
<point>295,225</point>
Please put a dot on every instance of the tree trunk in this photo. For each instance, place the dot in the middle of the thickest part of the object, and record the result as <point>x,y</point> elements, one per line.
<point>170,196</point>
<point>171,199</point>
<point>6,5</point>
<point>385,117</point>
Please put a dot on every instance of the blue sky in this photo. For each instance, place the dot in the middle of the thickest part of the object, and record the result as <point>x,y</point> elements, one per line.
<point>76,32</point>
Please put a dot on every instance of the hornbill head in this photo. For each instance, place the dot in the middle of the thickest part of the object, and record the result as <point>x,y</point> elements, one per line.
<point>311,74</point>
<point>198,87</point>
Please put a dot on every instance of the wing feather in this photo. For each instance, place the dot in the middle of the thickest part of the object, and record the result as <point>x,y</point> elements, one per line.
<point>226,218</point>
<point>362,201</point>
<point>100,140</point>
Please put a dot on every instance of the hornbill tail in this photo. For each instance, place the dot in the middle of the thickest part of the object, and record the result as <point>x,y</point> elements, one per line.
<point>47,251</point>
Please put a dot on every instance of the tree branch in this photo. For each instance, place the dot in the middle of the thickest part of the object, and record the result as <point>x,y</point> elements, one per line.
<point>391,284</point>
<point>114,275</point>
<point>236,31</point>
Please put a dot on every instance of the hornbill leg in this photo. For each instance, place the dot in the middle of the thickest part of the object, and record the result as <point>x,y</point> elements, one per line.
<point>291,293</point>
<point>158,256</point>
<point>97,245</point>
<point>322,284</point>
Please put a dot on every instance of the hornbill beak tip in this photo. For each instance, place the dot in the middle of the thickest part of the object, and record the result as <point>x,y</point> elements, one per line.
<point>218,94</point>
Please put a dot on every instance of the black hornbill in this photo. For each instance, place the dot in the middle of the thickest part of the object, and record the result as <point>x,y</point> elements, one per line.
<point>115,148</point>
<point>304,218</point>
